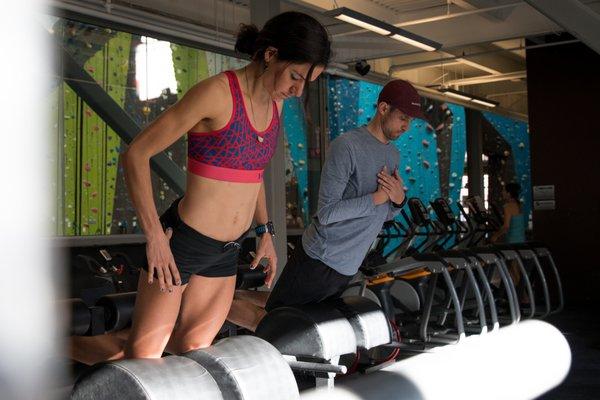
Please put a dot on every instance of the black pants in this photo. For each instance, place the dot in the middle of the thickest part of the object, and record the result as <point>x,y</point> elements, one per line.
<point>306,280</point>
<point>197,254</point>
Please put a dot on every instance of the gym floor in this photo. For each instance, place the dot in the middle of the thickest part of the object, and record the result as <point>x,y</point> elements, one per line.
<point>581,327</point>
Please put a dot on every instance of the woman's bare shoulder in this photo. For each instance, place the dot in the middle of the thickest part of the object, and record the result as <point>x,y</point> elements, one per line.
<point>216,85</point>
<point>207,98</point>
<point>512,208</point>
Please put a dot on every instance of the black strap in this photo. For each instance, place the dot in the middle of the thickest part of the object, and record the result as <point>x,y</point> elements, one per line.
<point>401,204</point>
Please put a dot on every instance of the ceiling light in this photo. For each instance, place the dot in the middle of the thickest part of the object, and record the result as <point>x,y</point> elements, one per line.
<point>382,28</point>
<point>484,102</point>
<point>468,97</point>
<point>417,43</point>
<point>362,20</point>
<point>456,94</point>
<point>362,24</point>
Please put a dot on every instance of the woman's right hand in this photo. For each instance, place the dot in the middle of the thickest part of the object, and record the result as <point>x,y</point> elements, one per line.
<point>161,261</point>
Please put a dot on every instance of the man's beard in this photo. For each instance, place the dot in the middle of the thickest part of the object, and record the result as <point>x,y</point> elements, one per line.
<point>388,133</point>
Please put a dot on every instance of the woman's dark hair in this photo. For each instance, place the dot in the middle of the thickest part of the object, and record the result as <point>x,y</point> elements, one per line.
<point>298,38</point>
<point>514,190</point>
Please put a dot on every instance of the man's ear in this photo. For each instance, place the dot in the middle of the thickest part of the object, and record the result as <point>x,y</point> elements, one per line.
<point>382,107</point>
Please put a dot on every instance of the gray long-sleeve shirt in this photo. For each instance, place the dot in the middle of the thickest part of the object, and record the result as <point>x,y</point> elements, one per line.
<point>347,221</point>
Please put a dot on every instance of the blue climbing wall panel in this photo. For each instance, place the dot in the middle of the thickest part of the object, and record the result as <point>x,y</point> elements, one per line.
<point>295,130</point>
<point>457,153</point>
<point>516,133</point>
<point>367,101</point>
<point>342,102</point>
<point>419,162</point>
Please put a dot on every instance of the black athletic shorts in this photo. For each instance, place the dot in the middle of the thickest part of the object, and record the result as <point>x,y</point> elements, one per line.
<point>197,254</point>
<point>305,280</point>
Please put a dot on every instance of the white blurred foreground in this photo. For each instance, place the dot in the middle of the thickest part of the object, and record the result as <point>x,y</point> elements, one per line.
<point>517,362</point>
<point>28,322</point>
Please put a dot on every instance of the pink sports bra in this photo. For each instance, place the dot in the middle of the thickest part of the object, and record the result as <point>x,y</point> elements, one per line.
<point>236,152</point>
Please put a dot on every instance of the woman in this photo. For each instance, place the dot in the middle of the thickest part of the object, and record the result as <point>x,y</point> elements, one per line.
<point>514,221</point>
<point>513,228</point>
<point>232,122</point>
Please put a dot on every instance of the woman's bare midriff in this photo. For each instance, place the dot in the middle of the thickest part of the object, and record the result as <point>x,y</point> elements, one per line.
<point>218,209</point>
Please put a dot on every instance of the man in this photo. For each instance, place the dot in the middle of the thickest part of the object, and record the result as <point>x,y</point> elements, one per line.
<point>360,189</point>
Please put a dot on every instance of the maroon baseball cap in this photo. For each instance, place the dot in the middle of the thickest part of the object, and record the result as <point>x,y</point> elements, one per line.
<point>403,96</point>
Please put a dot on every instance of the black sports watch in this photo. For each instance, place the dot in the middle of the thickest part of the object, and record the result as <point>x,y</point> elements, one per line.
<point>268,227</point>
<point>401,204</point>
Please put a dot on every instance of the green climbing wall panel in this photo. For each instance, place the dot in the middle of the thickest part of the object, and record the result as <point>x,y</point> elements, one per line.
<point>91,148</point>
<point>190,67</point>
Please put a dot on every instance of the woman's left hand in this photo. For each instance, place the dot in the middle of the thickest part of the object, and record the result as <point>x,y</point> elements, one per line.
<point>266,249</point>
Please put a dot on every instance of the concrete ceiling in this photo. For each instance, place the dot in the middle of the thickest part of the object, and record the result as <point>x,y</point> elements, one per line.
<point>483,40</point>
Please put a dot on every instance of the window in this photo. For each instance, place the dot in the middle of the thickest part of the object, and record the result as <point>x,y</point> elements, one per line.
<point>141,75</point>
<point>154,68</point>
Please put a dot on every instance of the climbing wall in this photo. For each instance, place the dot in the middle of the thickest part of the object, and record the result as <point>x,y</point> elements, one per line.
<point>55,154</point>
<point>342,105</point>
<point>191,66</point>
<point>296,174</point>
<point>457,154</point>
<point>218,63</point>
<point>91,148</point>
<point>516,134</point>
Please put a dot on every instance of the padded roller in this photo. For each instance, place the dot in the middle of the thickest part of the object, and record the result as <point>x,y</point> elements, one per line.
<point>249,278</point>
<point>315,330</point>
<point>248,368</point>
<point>370,325</point>
<point>533,356</point>
<point>118,310</point>
<point>171,378</point>
<point>81,317</point>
